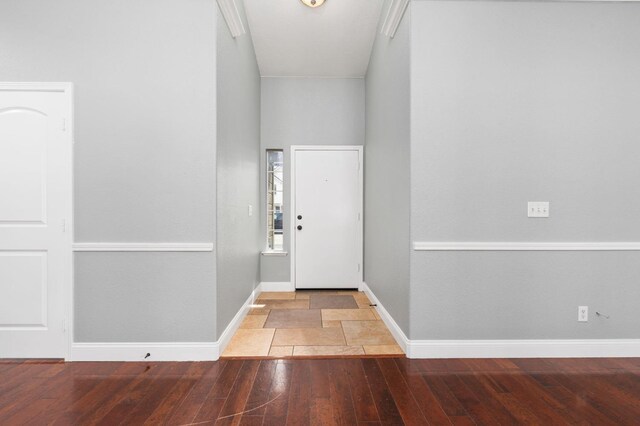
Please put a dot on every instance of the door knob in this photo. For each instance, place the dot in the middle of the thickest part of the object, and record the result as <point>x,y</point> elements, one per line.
<point>299,227</point>
<point>299,216</point>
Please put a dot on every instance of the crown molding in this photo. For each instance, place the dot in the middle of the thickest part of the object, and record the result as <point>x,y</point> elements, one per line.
<point>232,17</point>
<point>394,17</point>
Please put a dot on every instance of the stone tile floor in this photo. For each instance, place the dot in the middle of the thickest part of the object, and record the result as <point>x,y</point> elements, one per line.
<point>312,323</point>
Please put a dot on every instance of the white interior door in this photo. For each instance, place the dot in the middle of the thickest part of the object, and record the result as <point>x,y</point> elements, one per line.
<point>35,213</point>
<point>327,218</point>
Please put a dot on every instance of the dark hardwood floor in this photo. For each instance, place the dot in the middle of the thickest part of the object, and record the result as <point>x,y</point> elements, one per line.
<point>368,391</point>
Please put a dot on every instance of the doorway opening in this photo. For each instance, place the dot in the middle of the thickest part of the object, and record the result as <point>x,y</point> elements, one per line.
<point>326,315</point>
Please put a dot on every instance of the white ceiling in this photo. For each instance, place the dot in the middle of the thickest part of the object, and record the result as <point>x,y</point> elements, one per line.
<point>333,40</point>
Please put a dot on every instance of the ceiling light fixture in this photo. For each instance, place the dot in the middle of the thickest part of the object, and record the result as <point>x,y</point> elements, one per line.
<point>313,3</point>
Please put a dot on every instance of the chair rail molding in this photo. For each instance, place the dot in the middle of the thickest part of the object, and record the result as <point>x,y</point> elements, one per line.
<point>143,247</point>
<point>525,246</point>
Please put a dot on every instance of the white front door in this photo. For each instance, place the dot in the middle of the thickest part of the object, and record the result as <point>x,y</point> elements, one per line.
<point>327,217</point>
<point>35,214</point>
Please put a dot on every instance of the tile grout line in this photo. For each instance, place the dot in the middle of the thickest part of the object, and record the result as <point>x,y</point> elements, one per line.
<point>358,298</point>
<point>344,336</point>
<point>274,332</point>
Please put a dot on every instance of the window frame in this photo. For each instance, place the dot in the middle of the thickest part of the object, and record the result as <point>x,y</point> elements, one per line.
<point>269,245</point>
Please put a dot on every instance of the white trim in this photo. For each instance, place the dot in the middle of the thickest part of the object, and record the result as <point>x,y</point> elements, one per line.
<point>596,1</point>
<point>37,87</point>
<point>526,246</point>
<point>211,351</point>
<point>328,147</point>
<point>265,161</point>
<point>163,351</point>
<point>277,286</point>
<point>69,319</point>
<point>534,348</point>
<point>233,326</point>
<point>292,196</point>
<point>124,351</point>
<point>554,348</point>
<point>325,77</point>
<point>394,328</point>
<point>128,247</point>
<point>274,253</point>
<point>232,17</point>
<point>547,1</point>
<point>394,17</point>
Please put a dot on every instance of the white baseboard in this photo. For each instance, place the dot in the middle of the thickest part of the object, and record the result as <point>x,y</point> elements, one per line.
<point>210,351</point>
<point>233,326</point>
<point>551,348</point>
<point>396,331</point>
<point>554,348</point>
<point>125,351</point>
<point>277,286</point>
<point>163,351</point>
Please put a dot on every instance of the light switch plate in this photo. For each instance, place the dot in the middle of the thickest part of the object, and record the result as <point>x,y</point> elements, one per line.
<point>538,209</point>
<point>250,210</point>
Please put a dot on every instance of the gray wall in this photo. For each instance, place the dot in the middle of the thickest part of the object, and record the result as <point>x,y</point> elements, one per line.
<point>144,297</point>
<point>144,75</point>
<point>515,102</point>
<point>305,111</point>
<point>238,108</point>
<point>387,173</point>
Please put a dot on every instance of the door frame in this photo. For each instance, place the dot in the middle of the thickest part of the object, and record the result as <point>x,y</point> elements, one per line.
<point>68,282</point>
<point>292,209</point>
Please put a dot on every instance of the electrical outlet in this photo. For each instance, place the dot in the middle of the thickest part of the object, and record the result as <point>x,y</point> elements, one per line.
<point>538,209</point>
<point>583,313</point>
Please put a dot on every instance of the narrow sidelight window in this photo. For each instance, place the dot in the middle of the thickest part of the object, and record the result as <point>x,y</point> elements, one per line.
<point>275,196</point>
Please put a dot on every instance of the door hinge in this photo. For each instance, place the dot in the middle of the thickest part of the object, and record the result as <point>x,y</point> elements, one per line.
<point>358,267</point>
<point>358,216</point>
<point>64,325</point>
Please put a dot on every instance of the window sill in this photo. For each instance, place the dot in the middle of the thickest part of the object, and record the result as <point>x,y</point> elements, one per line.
<point>275,253</point>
